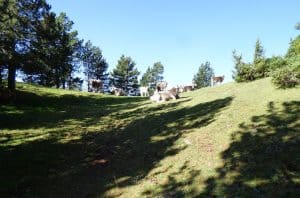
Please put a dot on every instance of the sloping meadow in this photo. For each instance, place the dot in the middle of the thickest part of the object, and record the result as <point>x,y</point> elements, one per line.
<point>230,140</point>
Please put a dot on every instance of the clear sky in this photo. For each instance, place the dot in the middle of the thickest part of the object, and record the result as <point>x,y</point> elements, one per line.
<point>183,34</point>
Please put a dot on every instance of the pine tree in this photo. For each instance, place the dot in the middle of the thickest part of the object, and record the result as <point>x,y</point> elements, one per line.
<point>125,75</point>
<point>69,50</point>
<point>157,72</point>
<point>242,71</point>
<point>55,52</point>
<point>18,22</point>
<point>153,75</point>
<point>95,65</point>
<point>146,78</point>
<point>259,61</point>
<point>258,53</point>
<point>203,76</point>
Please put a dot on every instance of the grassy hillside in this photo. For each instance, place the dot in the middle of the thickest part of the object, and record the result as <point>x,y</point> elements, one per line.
<point>231,140</point>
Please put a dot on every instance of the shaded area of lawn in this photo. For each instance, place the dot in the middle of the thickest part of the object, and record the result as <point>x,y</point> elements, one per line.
<point>174,187</point>
<point>263,159</point>
<point>117,157</point>
<point>32,111</point>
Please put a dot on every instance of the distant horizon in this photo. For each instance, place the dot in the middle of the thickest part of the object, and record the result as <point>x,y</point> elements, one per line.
<point>182,35</point>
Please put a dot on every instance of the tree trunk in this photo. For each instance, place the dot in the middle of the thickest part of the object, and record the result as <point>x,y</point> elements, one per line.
<point>64,84</point>
<point>1,69</point>
<point>11,78</point>
<point>88,83</point>
<point>56,79</point>
<point>69,82</point>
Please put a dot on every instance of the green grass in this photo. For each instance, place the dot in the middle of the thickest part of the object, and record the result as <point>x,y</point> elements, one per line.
<point>234,140</point>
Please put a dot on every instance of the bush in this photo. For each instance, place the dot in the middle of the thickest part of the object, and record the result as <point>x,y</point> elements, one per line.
<point>286,77</point>
<point>244,72</point>
<point>247,72</point>
<point>261,69</point>
<point>275,62</point>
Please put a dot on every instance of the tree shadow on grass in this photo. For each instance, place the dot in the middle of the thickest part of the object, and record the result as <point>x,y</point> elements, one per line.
<point>263,159</point>
<point>101,161</point>
<point>174,187</point>
<point>47,111</point>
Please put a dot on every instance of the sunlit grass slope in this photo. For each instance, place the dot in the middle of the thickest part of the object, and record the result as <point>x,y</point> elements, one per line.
<point>233,140</point>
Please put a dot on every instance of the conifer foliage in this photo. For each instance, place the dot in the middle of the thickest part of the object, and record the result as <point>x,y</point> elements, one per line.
<point>125,75</point>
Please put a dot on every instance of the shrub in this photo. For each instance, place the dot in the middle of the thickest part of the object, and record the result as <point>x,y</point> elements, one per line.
<point>261,69</point>
<point>244,72</point>
<point>274,63</point>
<point>286,77</point>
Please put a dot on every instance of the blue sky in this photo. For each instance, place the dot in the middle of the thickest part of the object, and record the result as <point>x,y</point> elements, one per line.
<point>183,34</point>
